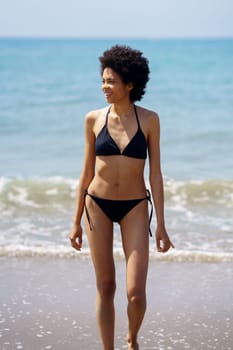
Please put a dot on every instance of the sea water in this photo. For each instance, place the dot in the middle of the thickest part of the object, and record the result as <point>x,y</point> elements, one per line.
<point>46,88</point>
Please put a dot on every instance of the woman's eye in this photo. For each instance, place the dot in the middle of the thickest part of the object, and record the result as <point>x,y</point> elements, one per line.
<point>108,81</point>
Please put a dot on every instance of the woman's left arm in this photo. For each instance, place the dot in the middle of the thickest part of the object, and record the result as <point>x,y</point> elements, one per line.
<point>156,182</point>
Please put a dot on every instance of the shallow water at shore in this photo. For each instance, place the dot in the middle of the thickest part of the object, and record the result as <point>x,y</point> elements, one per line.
<point>36,215</point>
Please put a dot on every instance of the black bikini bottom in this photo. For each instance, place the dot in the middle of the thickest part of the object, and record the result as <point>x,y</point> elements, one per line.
<point>115,210</point>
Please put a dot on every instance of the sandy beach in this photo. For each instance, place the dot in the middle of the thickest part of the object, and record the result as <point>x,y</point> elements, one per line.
<point>50,304</point>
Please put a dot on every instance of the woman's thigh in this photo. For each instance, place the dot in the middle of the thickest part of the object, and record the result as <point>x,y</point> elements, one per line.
<point>100,239</point>
<point>135,240</point>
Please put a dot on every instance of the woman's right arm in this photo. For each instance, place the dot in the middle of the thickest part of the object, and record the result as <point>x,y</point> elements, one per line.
<point>84,181</point>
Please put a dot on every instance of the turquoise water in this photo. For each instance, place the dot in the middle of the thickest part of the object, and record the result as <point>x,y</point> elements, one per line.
<point>47,87</point>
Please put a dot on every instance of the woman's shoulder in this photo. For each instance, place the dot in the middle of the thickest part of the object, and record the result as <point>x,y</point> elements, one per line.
<point>94,115</point>
<point>147,116</point>
<point>147,113</point>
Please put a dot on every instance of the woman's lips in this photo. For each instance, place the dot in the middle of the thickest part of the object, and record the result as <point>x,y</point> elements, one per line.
<point>107,94</point>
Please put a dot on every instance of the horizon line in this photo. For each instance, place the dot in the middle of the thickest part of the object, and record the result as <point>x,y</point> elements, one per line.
<point>27,37</point>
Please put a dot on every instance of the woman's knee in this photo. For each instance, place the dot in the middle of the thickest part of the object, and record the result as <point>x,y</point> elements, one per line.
<point>106,288</point>
<point>136,297</point>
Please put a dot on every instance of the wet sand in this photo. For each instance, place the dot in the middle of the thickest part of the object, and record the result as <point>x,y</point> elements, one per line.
<point>48,303</point>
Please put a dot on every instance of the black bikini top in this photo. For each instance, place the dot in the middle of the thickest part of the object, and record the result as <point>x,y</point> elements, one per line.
<point>106,146</point>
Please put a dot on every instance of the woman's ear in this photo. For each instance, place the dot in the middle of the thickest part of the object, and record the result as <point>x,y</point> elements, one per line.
<point>130,86</point>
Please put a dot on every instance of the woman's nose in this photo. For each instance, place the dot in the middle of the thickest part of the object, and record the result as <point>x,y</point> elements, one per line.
<point>104,85</point>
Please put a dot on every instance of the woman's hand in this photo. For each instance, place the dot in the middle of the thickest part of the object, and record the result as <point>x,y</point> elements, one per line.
<point>76,237</point>
<point>162,240</point>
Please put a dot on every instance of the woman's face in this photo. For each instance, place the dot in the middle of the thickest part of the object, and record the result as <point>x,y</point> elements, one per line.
<point>113,88</point>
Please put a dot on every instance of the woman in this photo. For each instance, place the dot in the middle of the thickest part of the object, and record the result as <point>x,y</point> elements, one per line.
<point>112,188</point>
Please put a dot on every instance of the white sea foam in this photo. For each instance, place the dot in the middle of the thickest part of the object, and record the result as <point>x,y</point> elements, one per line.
<point>38,212</point>
<point>180,195</point>
<point>65,252</point>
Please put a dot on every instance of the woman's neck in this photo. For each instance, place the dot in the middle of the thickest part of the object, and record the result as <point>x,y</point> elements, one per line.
<point>122,110</point>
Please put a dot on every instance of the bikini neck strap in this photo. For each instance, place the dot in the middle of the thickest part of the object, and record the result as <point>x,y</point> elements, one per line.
<point>106,119</point>
<point>135,110</point>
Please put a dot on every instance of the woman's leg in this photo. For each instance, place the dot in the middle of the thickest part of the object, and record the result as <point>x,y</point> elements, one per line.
<point>100,240</point>
<point>135,239</point>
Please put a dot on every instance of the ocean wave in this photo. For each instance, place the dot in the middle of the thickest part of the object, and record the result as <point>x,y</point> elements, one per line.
<point>65,252</point>
<point>36,194</point>
<point>37,213</point>
<point>59,193</point>
<point>200,192</point>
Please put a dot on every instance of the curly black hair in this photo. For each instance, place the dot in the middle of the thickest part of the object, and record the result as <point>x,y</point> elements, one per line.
<point>130,65</point>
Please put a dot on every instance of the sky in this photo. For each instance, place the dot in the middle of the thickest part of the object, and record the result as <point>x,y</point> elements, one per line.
<point>118,18</point>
